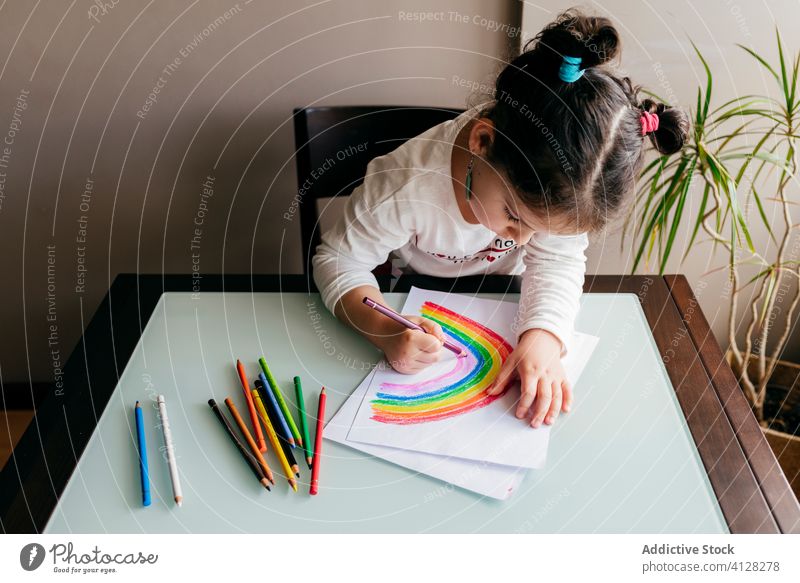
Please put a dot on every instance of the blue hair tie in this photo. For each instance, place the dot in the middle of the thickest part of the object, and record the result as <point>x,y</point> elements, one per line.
<point>570,70</point>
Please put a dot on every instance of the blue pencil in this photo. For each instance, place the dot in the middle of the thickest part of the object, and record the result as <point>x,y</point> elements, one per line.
<point>145,473</point>
<point>273,403</point>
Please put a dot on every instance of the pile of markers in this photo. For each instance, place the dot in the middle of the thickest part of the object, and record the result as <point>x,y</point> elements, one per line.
<point>266,405</point>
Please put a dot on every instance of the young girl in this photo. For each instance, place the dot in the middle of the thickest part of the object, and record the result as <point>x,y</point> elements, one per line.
<point>509,187</point>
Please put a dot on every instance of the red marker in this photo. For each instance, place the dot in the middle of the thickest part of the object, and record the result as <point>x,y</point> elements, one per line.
<point>318,444</point>
<point>262,445</point>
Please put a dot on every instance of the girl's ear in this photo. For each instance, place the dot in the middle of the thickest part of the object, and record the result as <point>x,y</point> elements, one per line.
<point>481,135</point>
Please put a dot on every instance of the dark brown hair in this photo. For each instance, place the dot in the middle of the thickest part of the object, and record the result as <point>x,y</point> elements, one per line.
<point>573,150</point>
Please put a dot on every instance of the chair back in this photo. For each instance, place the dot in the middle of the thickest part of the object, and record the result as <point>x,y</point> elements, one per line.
<point>334,145</point>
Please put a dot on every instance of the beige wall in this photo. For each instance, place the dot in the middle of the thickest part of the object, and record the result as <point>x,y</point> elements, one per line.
<point>86,160</point>
<point>657,54</point>
<point>74,85</point>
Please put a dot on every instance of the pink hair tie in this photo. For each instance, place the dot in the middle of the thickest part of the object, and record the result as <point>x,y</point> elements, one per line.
<point>649,122</point>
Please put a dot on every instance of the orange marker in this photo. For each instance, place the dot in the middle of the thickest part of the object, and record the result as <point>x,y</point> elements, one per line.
<point>262,445</point>
<point>318,444</point>
<point>250,441</point>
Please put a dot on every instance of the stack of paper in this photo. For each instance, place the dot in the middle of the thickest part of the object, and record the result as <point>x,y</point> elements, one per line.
<point>440,421</point>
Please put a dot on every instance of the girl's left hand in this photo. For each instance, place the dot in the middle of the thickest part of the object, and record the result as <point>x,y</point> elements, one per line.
<point>536,361</point>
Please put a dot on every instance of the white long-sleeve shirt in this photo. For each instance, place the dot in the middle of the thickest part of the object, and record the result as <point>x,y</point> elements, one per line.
<point>406,210</point>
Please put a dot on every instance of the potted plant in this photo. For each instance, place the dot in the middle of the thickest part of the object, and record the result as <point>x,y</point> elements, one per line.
<point>733,149</point>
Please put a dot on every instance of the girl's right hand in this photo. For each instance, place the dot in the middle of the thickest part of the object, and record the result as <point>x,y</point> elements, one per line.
<point>411,351</point>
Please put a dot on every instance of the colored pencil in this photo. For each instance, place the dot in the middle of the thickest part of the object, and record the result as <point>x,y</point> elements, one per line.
<point>248,457</point>
<point>249,438</point>
<point>282,427</point>
<point>262,445</point>
<point>301,403</point>
<point>281,403</point>
<point>173,464</point>
<point>274,440</point>
<point>144,472</point>
<point>318,443</point>
<point>386,311</point>
<point>285,445</point>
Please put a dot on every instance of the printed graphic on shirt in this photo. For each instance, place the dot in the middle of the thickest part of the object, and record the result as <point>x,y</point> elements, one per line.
<point>494,250</point>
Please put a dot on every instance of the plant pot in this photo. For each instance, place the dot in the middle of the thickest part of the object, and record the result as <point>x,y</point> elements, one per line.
<point>782,416</point>
<point>787,449</point>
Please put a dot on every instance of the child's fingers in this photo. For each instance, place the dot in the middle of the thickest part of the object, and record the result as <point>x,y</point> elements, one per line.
<point>502,378</point>
<point>527,395</point>
<point>430,327</point>
<point>402,366</point>
<point>566,388</point>
<point>433,328</point>
<point>410,366</point>
<point>543,397</point>
<point>555,405</point>
<point>432,339</point>
<point>426,342</point>
<point>426,358</point>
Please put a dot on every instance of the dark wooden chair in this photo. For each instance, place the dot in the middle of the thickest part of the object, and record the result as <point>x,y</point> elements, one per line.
<point>333,147</point>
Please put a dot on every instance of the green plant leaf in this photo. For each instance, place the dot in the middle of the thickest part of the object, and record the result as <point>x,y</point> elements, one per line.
<point>751,99</point>
<point>698,121</point>
<point>768,114</point>
<point>765,301</point>
<point>699,221</point>
<point>723,178</point>
<point>650,230</point>
<point>677,217</point>
<point>784,79</point>
<point>758,276</point>
<point>794,85</point>
<point>761,60</point>
<point>763,214</point>
<point>729,137</point>
<point>709,81</point>
<point>654,185</point>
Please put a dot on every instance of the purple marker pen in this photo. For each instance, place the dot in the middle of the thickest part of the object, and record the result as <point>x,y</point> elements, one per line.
<point>409,324</point>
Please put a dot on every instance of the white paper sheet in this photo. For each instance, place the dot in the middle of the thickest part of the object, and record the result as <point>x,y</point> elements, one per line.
<point>481,430</point>
<point>486,479</point>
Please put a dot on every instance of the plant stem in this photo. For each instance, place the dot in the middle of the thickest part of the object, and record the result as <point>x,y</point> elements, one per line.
<point>791,160</point>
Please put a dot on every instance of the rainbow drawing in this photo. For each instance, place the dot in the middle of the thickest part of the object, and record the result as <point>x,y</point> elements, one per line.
<point>461,389</point>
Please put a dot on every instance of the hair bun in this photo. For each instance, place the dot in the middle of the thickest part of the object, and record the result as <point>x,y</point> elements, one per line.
<point>593,38</point>
<point>573,34</point>
<point>673,127</point>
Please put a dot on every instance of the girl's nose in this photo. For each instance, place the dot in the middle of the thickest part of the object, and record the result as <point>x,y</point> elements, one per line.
<point>520,235</point>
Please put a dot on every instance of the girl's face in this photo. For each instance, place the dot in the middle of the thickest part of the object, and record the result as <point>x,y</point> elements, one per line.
<point>494,201</point>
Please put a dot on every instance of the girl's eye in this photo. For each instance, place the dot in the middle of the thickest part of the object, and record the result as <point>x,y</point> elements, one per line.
<point>510,216</point>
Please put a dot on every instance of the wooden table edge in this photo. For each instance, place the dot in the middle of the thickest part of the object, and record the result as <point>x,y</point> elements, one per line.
<point>766,470</point>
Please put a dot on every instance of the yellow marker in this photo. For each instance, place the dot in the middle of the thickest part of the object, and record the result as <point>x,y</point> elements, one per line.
<point>273,439</point>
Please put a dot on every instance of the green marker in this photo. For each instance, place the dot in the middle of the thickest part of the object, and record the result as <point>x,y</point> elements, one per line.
<point>281,403</point>
<point>301,402</point>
